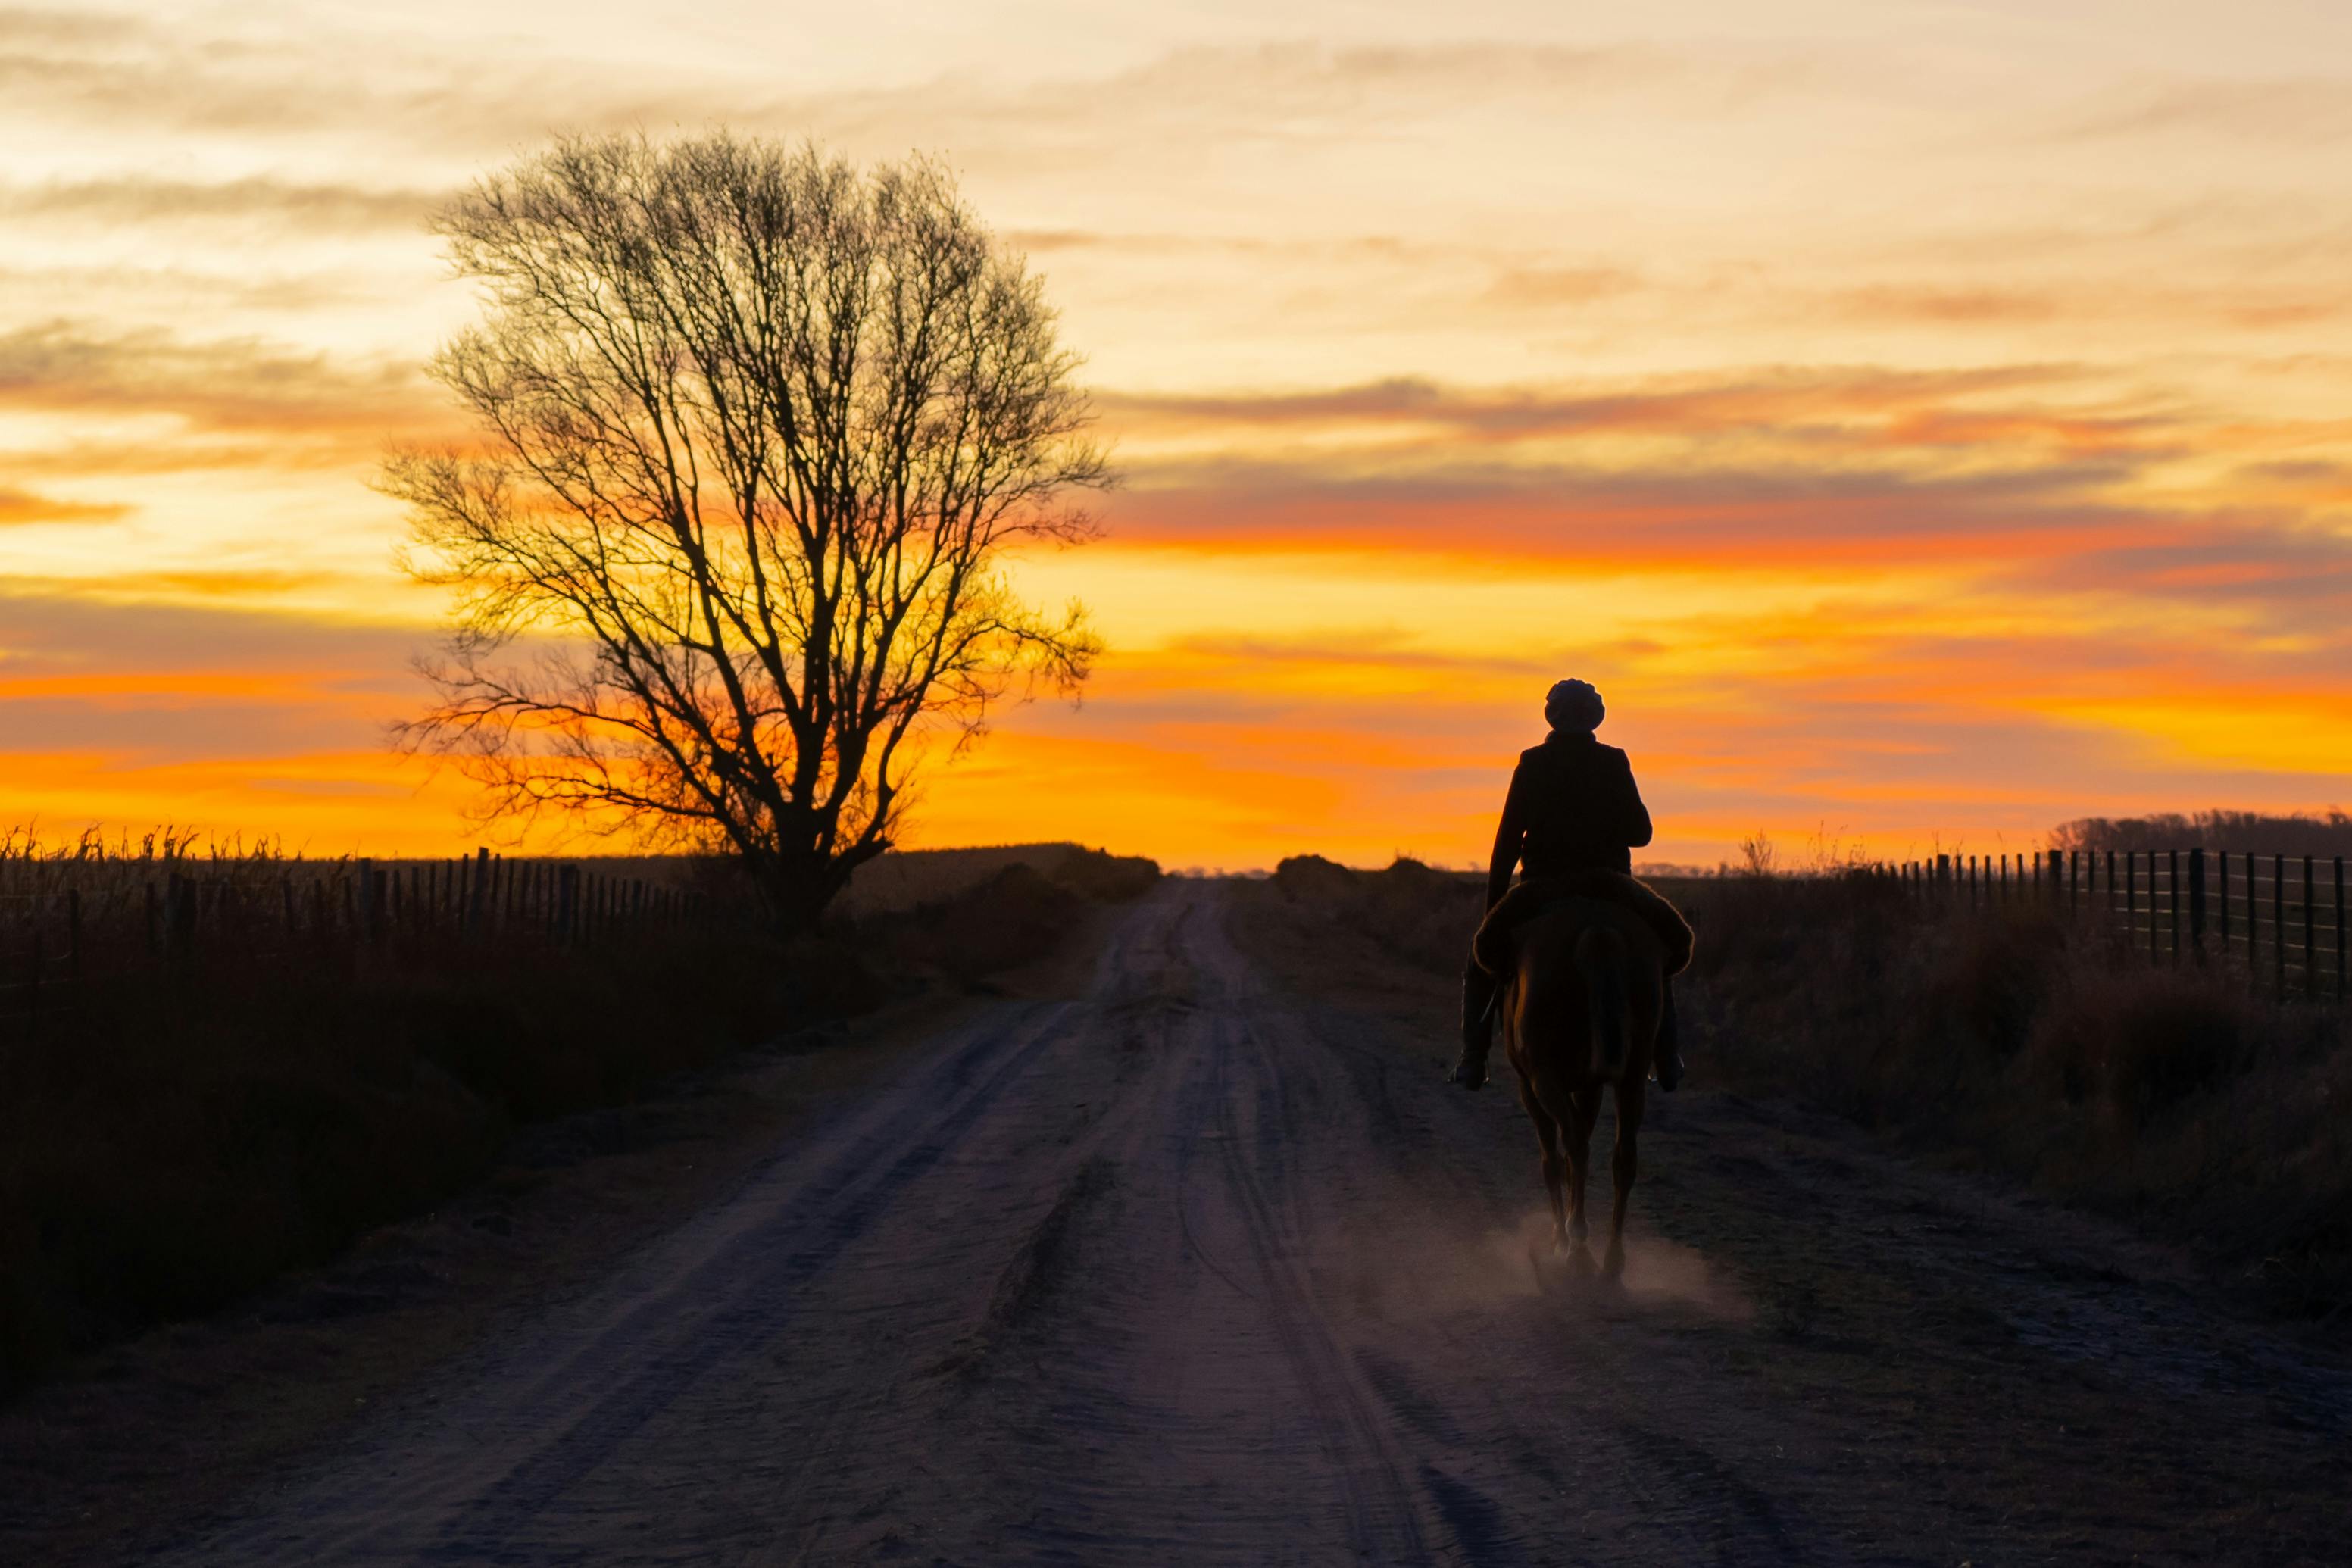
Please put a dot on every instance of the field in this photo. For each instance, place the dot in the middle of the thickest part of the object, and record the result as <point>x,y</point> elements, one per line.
<point>1186,1253</point>
<point>215,1067</point>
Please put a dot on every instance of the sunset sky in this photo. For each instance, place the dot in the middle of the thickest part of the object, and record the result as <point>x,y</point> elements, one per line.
<point>1923,421</point>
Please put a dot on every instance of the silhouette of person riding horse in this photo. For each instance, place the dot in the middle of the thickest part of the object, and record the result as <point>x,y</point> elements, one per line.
<point>1576,959</point>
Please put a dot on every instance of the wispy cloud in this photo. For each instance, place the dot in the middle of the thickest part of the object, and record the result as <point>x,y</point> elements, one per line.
<point>21,506</point>
<point>2288,111</point>
<point>264,199</point>
<point>235,385</point>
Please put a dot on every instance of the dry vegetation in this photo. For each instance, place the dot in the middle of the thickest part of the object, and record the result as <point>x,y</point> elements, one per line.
<point>2014,1039</point>
<point>909,879</point>
<point>185,1124</point>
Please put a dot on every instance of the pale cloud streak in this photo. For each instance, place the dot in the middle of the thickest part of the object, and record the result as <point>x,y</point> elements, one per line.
<point>252,200</point>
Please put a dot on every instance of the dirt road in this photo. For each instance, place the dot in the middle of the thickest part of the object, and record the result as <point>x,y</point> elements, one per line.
<point>1195,1269</point>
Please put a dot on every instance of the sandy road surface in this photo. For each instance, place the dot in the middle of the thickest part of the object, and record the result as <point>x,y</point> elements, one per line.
<point>1195,1270</point>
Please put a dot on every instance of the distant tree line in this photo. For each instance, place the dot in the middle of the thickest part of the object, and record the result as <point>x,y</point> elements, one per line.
<point>2244,832</point>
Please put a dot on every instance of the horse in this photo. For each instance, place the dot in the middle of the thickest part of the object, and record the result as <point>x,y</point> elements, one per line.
<point>1581,1006</point>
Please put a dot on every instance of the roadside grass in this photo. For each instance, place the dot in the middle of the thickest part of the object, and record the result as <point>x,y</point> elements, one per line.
<point>2012,1039</point>
<point>179,1137</point>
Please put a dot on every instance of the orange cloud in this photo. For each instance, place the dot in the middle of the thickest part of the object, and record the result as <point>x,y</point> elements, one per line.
<point>18,506</point>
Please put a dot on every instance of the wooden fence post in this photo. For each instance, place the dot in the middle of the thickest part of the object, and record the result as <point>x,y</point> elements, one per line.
<point>2196,903</point>
<point>2342,951</point>
<point>2221,858</point>
<point>370,917</point>
<point>2131,897</point>
<point>2253,922</point>
<point>2278,919</point>
<point>480,900</point>
<point>567,901</point>
<point>2310,938</point>
<point>2172,897</point>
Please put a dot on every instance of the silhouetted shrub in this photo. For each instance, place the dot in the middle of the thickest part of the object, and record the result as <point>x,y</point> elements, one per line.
<point>2143,1042</point>
<point>1990,979</point>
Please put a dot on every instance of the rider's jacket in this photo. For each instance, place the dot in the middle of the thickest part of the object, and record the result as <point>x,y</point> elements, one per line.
<point>1573,807</point>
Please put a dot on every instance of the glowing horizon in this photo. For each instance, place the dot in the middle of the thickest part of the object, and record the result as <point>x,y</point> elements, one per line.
<point>1926,423</point>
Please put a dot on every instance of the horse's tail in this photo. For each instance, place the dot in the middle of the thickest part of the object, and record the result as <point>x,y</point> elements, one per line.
<point>1602,961</point>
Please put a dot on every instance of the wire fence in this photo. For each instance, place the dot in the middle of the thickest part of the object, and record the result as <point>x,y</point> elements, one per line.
<point>67,927</point>
<point>2280,918</point>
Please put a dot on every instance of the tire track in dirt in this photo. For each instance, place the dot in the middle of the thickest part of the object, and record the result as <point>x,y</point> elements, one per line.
<point>1383,1516</point>
<point>733,1283</point>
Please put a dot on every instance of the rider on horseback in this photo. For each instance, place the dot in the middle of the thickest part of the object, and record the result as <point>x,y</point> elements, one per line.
<point>1573,807</point>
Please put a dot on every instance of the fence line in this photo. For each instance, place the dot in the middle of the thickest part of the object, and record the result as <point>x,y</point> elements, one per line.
<point>99,923</point>
<point>2282,917</point>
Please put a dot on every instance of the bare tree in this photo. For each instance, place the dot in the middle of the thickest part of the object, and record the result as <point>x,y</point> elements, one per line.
<point>757,429</point>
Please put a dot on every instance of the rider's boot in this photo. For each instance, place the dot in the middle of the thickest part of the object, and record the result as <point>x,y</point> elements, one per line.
<point>1667,1057</point>
<point>1477,1026</point>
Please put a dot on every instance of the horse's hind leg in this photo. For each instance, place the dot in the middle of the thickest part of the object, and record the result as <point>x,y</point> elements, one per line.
<point>1583,1110</point>
<point>1622,1168</point>
<point>1547,1139</point>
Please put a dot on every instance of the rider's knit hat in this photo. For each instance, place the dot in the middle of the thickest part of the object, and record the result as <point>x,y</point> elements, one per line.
<point>1574,705</point>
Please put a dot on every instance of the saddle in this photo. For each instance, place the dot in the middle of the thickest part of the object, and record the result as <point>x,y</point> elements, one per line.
<point>1491,948</point>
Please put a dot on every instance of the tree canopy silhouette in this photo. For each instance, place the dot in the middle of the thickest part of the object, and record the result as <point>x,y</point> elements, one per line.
<point>757,429</point>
